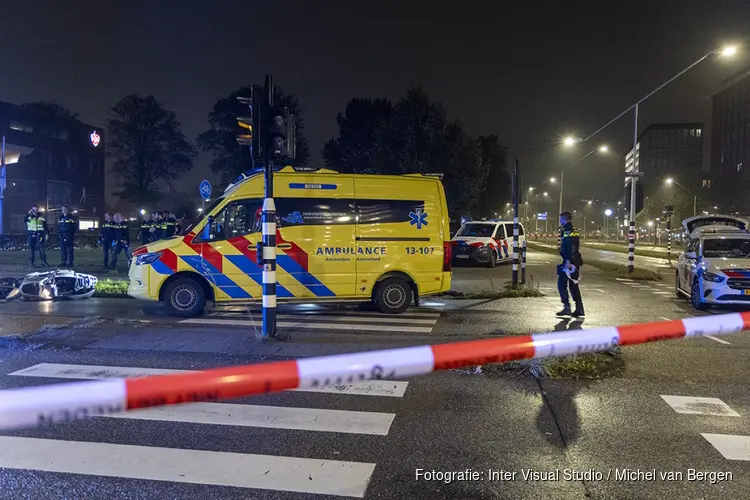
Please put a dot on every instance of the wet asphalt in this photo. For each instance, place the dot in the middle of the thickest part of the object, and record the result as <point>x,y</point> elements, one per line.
<point>448,421</point>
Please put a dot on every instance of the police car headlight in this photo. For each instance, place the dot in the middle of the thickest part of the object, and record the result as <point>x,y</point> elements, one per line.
<point>147,258</point>
<point>714,278</point>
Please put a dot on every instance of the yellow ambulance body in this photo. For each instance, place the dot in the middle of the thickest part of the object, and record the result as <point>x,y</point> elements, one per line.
<point>339,237</point>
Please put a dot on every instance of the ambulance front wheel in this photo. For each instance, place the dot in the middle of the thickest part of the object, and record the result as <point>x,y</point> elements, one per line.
<point>393,296</point>
<point>184,297</point>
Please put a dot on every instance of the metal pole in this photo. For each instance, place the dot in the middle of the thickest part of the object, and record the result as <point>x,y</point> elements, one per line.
<point>695,205</point>
<point>523,262</point>
<point>269,237</point>
<point>3,185</point>
<point>633,180</point>
<point>669,238</point>
<point>515,224</point>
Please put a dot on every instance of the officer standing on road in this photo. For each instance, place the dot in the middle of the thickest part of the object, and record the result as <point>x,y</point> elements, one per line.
<point>66,226</point>
<point>36,234</point>
<point>569,272</point>
<point>158,233</point>
<point>122,239</point>
<point>107,237</point>
<point>145,233</point>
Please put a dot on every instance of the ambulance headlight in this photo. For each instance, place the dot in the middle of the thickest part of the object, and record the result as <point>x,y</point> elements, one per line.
<point>147,258</point>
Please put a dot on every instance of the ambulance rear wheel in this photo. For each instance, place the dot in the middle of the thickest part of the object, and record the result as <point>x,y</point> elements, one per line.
<point>185,298</point>
<point>393,296</point>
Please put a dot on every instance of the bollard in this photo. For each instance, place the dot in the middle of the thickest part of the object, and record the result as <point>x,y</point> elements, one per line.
<point>523,262</point>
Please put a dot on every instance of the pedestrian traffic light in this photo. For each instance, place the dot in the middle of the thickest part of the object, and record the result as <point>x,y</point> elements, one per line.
<point>281,134</point>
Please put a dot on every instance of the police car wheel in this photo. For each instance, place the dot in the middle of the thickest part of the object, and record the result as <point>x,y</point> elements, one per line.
<point>695,297</point>
<point>393,296</point>
<point>184,297</point>
<point>493,260</point>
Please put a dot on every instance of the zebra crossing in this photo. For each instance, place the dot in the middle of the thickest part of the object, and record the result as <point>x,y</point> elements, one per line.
<point>659,289</point>
<point>295,475</point>
<point>414,320</point>
<point>730,446</point>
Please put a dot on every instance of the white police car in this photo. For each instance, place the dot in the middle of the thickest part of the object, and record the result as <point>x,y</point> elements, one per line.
<point>714,269</point>
<point>485,242</point>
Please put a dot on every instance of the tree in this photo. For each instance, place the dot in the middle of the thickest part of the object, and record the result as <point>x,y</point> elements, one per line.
<point>355,148</point>
<point>148,145</point>
<point>229,159</point>
<point>465,173</point>
<point>52,109</point>
<point>498,187</point>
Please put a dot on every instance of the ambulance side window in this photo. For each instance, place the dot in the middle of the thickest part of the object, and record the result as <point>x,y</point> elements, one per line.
<point>237,219</point>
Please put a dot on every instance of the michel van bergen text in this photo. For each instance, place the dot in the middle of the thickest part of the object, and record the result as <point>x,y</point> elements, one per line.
<point>610,474</point>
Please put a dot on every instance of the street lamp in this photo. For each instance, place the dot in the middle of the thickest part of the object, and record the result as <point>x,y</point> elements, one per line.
<point>671,181</point>
<point>607,214</point>
<point>142,211</point>
<point>727,51</point>
<point>552,180</point>
<point>602,149</point>
<point>569,141</point>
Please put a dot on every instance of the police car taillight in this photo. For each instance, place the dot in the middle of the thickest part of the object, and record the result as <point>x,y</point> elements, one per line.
<point>446,256</point>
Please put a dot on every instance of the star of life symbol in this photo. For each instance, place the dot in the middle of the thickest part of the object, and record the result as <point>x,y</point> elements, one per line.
<point>418,218</point>
<point>95,138</point>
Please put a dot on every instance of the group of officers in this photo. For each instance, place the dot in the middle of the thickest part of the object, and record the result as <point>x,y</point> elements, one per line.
<point>114,237</point>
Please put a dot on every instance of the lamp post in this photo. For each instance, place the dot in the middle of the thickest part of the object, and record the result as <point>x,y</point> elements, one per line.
<point>725,52</point>
<point>601,149</point>
<point>671,181</point>
<point>584,222</point>
<point>607,215</point>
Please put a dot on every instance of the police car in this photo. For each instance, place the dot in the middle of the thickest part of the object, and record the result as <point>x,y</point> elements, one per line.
<point>714,269</point>
<point>485,242</point>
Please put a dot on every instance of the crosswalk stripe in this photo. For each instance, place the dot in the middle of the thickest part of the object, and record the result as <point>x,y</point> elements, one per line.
<point>312,317</point>
<point>331,313</point>
<point>731,447</point>
<point>301,475</point>
<point>658,292</point>
<point>310,326</point>
<point>623,279</point>
<point>270,417</point>
<point>388,388</point>
<point>699,406</point>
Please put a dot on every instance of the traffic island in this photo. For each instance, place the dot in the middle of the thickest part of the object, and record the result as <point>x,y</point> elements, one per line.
<point>509,291</point>
<point>596,365</point>
<point>611,270</point>
<point>113,289</point>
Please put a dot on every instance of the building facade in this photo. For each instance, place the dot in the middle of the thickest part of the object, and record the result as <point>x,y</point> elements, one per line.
<point>730,142</point>
<point>50,161</point>
<point>670,150</point>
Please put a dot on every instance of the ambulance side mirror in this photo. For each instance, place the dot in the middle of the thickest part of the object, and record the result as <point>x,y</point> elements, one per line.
<point>206,231</point>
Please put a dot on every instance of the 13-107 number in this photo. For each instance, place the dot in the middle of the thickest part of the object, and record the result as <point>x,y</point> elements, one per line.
<point>422,250</point>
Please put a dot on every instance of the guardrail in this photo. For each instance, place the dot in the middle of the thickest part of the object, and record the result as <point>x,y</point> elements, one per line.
<point>42,405</point>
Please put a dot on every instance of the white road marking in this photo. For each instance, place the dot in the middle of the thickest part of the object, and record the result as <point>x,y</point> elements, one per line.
<point>623,279</point>
<point>662,293</point>
<point>731,447</point>
<point>409,314</point>
<point>431,321</point>
<point>720,341</point>
<point>270,417</point>
<point>301,475</point>
<point>665,319</point>
<point>91,372</point>
<point>363,327</point>
<point>699,406</point>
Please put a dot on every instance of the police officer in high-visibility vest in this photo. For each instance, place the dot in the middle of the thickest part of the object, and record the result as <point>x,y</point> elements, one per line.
<point>66,225</point>
<point>122,239</point>
<point>145,233</point>
<point>36,234</point>
<point>170,225</point>
<point>158,233</point>
<point>107,237</point>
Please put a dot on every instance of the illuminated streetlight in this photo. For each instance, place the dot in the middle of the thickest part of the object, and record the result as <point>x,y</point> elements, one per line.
<point>531,189</point>
<point>200,210</point>
<point>569,141</point>
<point>608,212</point>
<point>650,223</point>
<point>669,180</point>
<point>728,51</point>
<point>143,211</point>
<point>545,193</point>
<point>603,148</point>
<point>590,202</point>
<point>552,180</point>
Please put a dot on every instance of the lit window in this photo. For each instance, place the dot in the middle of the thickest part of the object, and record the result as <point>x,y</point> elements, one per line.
<point>692,132</point>
<point>706,183</point>
<point>698,132</point>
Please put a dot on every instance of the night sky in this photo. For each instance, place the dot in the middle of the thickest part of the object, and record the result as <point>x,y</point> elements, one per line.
<point>528,74</point>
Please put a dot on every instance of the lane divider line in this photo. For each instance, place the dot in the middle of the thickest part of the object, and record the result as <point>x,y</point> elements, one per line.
<point>42,405</point>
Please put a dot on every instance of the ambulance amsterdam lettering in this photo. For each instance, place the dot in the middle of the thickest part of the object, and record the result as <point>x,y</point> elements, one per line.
<point>350,251</point>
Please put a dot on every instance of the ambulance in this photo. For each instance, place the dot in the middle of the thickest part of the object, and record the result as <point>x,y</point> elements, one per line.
<point>340,237</point>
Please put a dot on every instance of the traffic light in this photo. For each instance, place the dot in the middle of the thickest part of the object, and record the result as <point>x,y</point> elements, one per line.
<point>251,123</point>
<point>281,134</point>
<point>639,197</point>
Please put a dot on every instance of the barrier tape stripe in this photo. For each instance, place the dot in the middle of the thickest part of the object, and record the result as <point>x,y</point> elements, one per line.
<point>41,405</point>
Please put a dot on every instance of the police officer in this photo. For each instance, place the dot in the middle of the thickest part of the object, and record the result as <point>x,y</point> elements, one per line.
<point>177,225</point>
<point>107,237</point>
<point>36,234</point>
<point>170,225</point>
<point>158,233</point>
<point>66,226</point>
<point>122,239</point>
<point>145,234</point>
<point>569,272</point>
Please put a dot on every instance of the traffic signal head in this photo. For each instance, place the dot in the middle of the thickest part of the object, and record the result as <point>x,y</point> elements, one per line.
<point>281,134</point>
<point>639,197</point>
<point>250,123</point>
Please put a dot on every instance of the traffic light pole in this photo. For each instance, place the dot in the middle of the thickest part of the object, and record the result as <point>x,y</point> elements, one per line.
<point>633,180</point>
<point>514,274</point>
<point>268,219</point>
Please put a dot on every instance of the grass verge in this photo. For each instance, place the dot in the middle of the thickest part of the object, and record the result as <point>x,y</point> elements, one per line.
<point>591,365</point>
<point>612,270</point>
<point>111,288</point>
<point>624,249</point>
<point>508,292</point>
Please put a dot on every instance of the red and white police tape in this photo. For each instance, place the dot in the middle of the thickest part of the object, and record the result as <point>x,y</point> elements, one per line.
<point>33,406</point>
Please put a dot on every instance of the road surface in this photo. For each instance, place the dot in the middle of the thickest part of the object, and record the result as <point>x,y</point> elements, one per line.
<point>654,264</point>
<point>678,407</point>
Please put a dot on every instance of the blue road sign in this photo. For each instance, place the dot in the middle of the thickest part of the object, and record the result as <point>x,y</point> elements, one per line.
<point>205,190</point>
<point>541,216</point>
